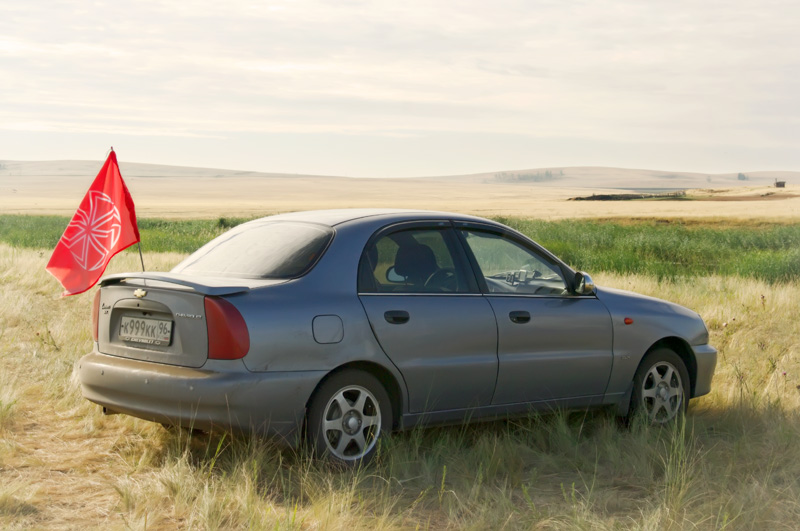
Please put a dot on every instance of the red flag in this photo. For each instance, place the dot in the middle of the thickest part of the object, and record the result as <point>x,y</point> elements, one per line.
<point>104,225</point>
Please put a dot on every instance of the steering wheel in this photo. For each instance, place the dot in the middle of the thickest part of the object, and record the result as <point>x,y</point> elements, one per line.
<point>442,279</point>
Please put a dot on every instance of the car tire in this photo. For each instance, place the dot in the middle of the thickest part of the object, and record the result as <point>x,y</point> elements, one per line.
<point>347,415</point>
<point>660,387</point>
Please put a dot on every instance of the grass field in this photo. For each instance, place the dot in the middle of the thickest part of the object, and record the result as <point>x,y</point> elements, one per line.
<point>665,249</point>
<point>158,235</point>
<point>733,464</point>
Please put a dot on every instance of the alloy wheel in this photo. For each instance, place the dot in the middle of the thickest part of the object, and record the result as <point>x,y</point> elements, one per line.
<point>351,423</point>
<point>662,392</point>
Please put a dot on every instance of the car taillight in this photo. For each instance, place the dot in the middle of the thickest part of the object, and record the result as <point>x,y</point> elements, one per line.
<point>228,338</point>
<point>96,315</point>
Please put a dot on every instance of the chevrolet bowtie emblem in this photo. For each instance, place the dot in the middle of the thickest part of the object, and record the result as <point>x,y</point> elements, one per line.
<point>139,293</point>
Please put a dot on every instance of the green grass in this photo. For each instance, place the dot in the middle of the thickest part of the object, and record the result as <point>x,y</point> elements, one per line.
<point>767,251</point>
<point>158,235</point>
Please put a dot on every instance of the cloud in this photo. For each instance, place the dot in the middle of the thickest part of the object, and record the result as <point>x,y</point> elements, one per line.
<point>621,71</point>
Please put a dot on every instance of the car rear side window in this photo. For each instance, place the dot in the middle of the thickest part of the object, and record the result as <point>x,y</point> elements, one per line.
<point>278,249</point>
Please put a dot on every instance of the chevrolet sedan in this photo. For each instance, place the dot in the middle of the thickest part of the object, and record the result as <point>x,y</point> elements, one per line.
<point>340,326</point>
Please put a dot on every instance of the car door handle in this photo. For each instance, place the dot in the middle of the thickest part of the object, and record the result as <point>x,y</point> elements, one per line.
<point>396,316</point>
<point>519,317</point>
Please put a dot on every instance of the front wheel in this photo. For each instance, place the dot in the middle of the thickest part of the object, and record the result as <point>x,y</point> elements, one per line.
<point>661,387</point>
<point>347,415</point>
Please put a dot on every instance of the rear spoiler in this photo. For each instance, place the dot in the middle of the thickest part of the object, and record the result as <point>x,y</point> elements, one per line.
<point>210,286</point>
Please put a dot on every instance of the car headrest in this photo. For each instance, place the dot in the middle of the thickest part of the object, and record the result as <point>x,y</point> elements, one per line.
<point>416,262</point>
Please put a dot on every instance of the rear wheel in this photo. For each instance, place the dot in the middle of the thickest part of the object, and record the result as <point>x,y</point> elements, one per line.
<point>661,387</point>
<point>347,415</point>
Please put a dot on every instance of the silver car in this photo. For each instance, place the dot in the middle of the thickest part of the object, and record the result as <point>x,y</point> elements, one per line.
<point>347,324</point>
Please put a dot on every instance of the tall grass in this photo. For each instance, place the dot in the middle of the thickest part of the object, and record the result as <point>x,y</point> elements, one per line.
<point>7,402</point>
<point>733,464</point>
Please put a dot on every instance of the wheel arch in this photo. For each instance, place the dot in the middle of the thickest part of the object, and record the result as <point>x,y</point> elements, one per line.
<point>383,375</point>
<point>684,351</point>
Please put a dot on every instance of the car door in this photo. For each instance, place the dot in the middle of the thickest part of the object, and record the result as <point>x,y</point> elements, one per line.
<point>428,315</point>
<point>552,345</point>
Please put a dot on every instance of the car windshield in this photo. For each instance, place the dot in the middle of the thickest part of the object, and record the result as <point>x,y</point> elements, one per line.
<point>277,249</point>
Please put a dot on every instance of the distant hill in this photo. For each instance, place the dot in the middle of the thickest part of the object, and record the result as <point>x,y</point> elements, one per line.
<point>561,177</point>
<point>57,187</point>
<point>82,168</point>
<point>629,179</point>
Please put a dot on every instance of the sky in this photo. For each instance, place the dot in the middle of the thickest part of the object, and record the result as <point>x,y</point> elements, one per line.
<point>412,88</point>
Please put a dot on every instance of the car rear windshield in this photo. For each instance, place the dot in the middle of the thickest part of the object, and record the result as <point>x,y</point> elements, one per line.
<point>278,249</point>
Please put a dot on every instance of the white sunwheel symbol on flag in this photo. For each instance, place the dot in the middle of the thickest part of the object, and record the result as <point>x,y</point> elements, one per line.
<point>91,236</point>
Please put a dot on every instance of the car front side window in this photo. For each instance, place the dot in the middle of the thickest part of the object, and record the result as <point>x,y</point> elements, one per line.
<point>413,261</point>
<point>512,268</point>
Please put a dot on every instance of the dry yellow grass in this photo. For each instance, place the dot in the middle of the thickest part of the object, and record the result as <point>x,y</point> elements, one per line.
<point>735,464</point>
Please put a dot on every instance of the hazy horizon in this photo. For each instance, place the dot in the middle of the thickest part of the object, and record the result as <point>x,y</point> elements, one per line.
<point>200,171</point>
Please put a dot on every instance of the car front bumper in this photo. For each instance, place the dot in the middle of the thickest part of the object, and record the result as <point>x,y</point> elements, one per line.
<point>706,358</point>
<point>221,393</point>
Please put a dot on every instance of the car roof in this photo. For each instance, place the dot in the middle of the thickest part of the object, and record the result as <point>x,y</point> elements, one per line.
<point>345,215</point>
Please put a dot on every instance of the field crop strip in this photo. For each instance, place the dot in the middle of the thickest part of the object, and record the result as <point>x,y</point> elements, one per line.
<point>734,463</point>
<point>666,249</point>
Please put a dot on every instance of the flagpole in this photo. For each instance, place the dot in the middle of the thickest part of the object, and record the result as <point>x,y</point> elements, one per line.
<point>141,258</point>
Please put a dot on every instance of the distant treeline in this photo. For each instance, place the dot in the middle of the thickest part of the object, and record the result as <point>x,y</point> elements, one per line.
<point>680,194</point>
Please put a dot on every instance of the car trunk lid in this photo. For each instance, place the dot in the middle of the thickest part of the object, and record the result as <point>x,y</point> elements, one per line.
<point>160,317</point>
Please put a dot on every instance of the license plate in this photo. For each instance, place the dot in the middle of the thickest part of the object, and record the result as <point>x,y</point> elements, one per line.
<point>143,330</point>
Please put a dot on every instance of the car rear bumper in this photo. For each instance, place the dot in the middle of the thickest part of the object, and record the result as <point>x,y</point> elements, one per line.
<point>706,358</point>
<point>222,393</point>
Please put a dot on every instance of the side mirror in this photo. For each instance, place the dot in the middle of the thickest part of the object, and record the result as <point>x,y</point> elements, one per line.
<point>584,285</point>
